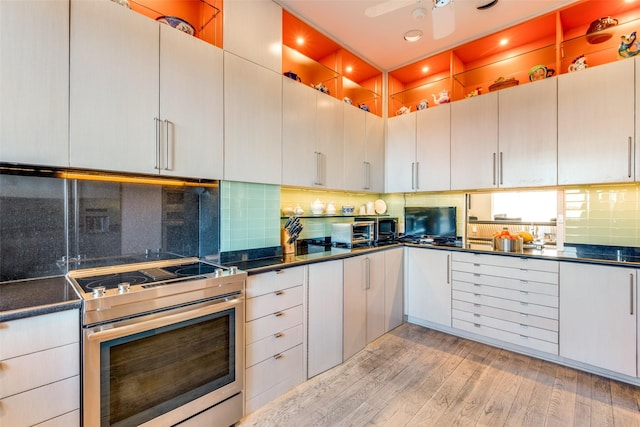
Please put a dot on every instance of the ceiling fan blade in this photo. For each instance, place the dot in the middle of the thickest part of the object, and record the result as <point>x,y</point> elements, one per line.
<point>443,21</point>
<point>388,6</point>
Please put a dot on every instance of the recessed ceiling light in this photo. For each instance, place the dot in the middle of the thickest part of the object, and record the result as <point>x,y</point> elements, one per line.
<point>349,68</point>
<point>413,35</point>
<point>300,40</point>
<point>504,42</point>
<point>425,69</point>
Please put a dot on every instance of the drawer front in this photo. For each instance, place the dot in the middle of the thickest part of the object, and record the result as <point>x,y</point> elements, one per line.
<point>499,271</point>
<point>32,334</point>
<point>507,283</point>
<point>511,316</point>
<point>34,370</point>
<point>272,345</point>
<point>517,306</point>
<point>516,339</point>
<point>269,373</point>
<point>272,324</point>
<point>507,261</point>
<point>272,281</point>
<point>520,296</point>
<point>273,302</point>
<point>70,419</point>
<point>40,404</point>
<point>521,329</point>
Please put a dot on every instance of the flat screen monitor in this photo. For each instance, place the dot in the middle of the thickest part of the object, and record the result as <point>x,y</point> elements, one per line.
<point>430,221</point>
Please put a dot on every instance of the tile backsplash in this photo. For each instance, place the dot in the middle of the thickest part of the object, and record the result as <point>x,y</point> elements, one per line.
<point>603,215</point>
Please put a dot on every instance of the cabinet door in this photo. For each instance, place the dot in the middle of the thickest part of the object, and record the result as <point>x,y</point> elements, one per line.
<point>114,88</point>
<point>596,124</point>
<point>375,152</point>
<point>298,134</point>
<point>428,286</point>
<point>356,277</point>
<point>474,142</point>
<point>375,296</point>
<point>34,77</point>
<point>356,171</point>
<point>324,316</point>
<point>393,288</point>
<point>528,123</point>
<point>401,154</point>
<point>329,141</point>
<point>252,122</point>
<point>433,148</point>
<point>191,105</point>
<point>598,316</point>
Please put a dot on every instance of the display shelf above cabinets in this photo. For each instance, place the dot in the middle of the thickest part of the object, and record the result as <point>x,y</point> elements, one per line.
<point>205,16</point>
<point>315,60</point>
<point>420,97</point>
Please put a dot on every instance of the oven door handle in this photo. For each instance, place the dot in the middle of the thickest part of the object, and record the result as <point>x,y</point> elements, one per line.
<point>169,319</point>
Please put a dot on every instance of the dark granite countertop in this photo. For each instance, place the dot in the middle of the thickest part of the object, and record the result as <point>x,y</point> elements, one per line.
<point>26,298</point>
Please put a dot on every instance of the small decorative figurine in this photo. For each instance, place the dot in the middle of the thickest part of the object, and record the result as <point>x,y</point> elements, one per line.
<point>540,72</point>
<point>580,63</point>
<point>322,88</point>
<point>422,105</point>
<point>629,47</point>
<point>363,107</point>
<point>403,110</point>
<point>477,91</point>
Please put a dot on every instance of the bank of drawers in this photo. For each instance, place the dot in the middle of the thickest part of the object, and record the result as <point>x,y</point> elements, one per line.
<point>40,370</point>
<point>506,298</point>
<point>274,334</point>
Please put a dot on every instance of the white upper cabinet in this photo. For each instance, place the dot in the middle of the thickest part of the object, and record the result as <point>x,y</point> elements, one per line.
<point>252,122</point>
<point>401,154</point>
<point>34,77</point>
<point>312,137</point>
<point>253,30</point>
<point>433,149</point>
<point>596,116</point>
<point>363,150</point>
<point>527,135</point>
<point>134,106</point>
<point>474,143</point>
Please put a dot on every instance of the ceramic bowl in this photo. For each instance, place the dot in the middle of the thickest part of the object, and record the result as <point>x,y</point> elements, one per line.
<point>177,23</point>
<point>348,210</point>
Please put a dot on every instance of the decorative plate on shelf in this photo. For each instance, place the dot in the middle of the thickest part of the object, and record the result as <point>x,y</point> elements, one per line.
<point>380,206</point>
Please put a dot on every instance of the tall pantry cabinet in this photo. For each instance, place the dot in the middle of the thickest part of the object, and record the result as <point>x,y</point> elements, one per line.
<point>34,82</point>
<point>134,105</point>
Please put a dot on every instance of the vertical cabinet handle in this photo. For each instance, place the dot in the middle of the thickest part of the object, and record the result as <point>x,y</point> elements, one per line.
<point>448,269</point>
<point>631,305</point>
<point>367,175</point>
<point>413,175</point>
<point>367,272</point>
<point>494,168</point>
<point>630,157</point>
<point>158,124</point>
<point>417,175</point>
<point>318,167</point>
<point>168,165</point>
<point>500,168</point>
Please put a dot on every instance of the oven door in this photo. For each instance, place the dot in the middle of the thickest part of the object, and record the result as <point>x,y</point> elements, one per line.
<point>164,368</point>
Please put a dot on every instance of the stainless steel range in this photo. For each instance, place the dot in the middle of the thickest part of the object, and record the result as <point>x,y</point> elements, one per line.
<point>162,343</point>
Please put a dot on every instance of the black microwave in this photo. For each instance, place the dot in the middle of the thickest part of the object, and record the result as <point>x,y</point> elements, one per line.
<point>384,229</point>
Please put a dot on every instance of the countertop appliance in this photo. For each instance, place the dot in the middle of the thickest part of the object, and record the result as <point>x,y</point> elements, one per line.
<point>352,234</point>
<point>385,229</point>
<point>162,343</point>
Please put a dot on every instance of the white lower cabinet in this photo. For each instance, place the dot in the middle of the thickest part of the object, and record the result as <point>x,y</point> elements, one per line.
<point>325,302</point>
<point>393,288</point>
<point>599,310</point>
<point>364,294</point>
<point>510,299</point>
<point>428,297</point>
<point>40,370</point>
<point>274,335</point>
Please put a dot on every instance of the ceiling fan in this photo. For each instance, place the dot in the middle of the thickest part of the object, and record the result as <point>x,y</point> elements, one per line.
<point>443,20</point>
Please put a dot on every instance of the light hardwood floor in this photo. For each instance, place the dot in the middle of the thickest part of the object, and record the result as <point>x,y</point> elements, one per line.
<point>414,376</point>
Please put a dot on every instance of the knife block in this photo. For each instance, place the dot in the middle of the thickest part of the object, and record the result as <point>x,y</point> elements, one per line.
<point>287,248</point>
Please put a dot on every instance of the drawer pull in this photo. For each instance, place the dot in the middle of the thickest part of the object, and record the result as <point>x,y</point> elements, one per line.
<point>477,305</point>
<point>524,269</point>
<point>524,326</point>
<point>477,295</point>
<point>477,325</point>
<point>476,274</point>
<point>279,271</point>
<point>524,282</point>
<point>524,337</point>
<point>476,315</point>
<point>524,314</point>
<point>278,314</point>
<point>476,265</point>
<point>278,335</point>
<point>524,303</point>
<point>477,284</point>
<point>278,356</point>
<point>524,292</point>
<point>278,293</point>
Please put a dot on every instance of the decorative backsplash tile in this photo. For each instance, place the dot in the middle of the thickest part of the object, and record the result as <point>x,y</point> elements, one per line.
<point>603,215</point>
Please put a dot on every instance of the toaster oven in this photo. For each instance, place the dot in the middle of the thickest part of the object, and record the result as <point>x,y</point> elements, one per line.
<point>385,229</point>
<point>351,234</point>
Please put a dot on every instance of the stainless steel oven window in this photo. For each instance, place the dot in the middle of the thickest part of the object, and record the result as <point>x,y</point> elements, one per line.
<point>145,375</point>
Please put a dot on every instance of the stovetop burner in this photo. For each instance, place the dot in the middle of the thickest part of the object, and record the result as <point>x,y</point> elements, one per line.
<point>111,281</point>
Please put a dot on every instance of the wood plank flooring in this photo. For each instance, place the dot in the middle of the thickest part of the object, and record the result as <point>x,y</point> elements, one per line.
<point>414,376</point>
